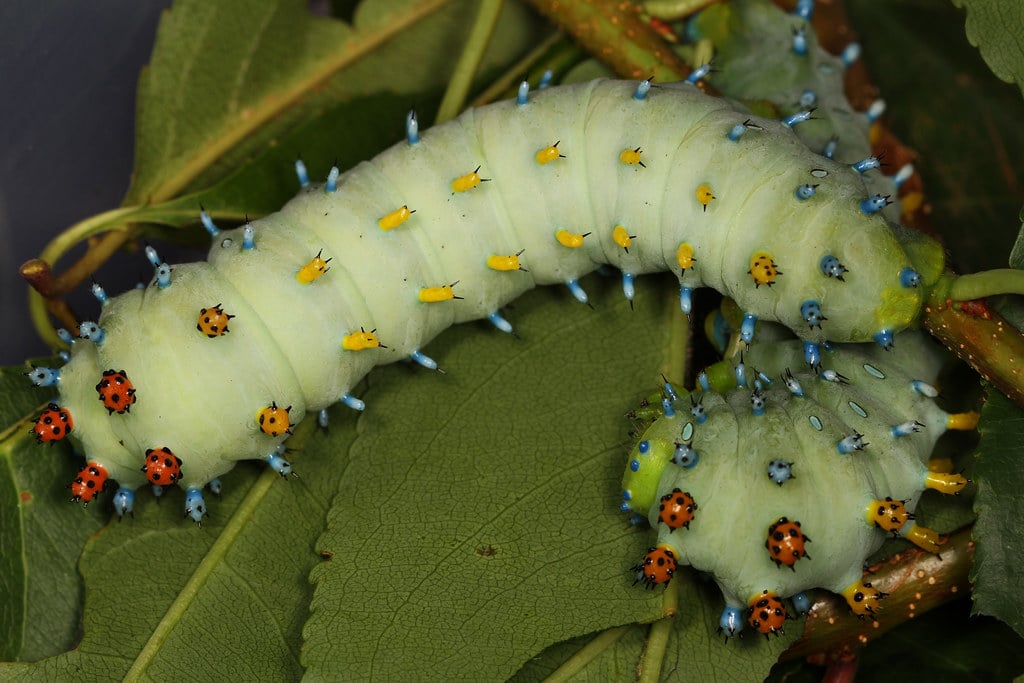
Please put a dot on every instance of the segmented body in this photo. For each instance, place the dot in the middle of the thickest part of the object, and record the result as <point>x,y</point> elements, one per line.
<point>747,518</point>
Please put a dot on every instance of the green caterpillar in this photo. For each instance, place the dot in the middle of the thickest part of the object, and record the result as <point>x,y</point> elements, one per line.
<point>737,484</point>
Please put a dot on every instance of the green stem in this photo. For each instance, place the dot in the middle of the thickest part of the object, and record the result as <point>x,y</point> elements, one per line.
<point>458,87</point>
<point>987,283</point>
<point>654,652</point>
<point>510,80</point>
<point>578,662</point>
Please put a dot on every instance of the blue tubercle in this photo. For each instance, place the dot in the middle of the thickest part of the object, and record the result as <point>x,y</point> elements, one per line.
<point>301,173</point>
<point>747,328</point>
<point>875,111</point>
<point>670,390</point>
<point>865,165</point>
<point>804,9</point>
<point>636,518</point>
<point>545,79</point>
<point>157,491</point>
<point>812,354</point>
<point>703,382</point>
<point>731,621</point>
<point>195,506</point>
<point>799,117</point>
<point>737,131</point>
<point>831,267</point>
<point>279,464</point>
<point>666,407</point>
<point>808,99</point>
<point>924,388</point>
<point>829,150</point>
<point>216,486</point>
<point>810,311</point>
<point>523,96</point>
<point>801,603</point>
<point>124,502</point>
<point>499,322</point>
<point>44,377</point>
<point>686,299</point>
<point>757,403</point>
<point>423,359</point>
<point>163,271</point>
<point>642,88</point>
<point>644,447</point>
<point>903,175</point>
<point>353,402</point>
<point>332,179</point>
<point>851,443</point>
<point>208,223</point>
<point>628,287</point>
<point>780,471</point>
<point>90,331</point>
<point>762,378</point>
<point>323,418</point>
<point>740,372</point>
<point>248,238</point>
<point>800,41</point>
<point>577,291</point>
<point>910,277</point>
<point>698,73</point>
<point>65,336</point>
<point>884,339</point>
<point>850,54</point>
<point>412,127</point>
<point>874,204</point>
<point>906,428</point>
<point>792,384</point>
<point>834,377</point>
<point>99,293</point>
<point>806,191</point>
<point>685,456</point>
<point>634,465</point>
<point>698,411</point>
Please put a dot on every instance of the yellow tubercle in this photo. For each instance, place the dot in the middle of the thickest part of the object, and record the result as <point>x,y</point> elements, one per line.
<point>510,262</point>
<point>274,421</point>
<point>684,255</point>
<point>862,598</point>
<point>631,157</point>
<point>763,269</point>
<point>704,195</point>
<point>468,181</point>
<point>361,340</point>
<point>963,422</point>
<point>570,239</point>
<point>313,270</point>
<point>945,483</point>
<point>622,237</point>
<point>923,538</point>
<point>548,154</point>
<point>431,295</point>
<point>395,218</point>
<point>888,515</point>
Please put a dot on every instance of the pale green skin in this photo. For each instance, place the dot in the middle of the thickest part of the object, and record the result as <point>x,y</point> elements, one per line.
<point>829,493</point>
<point>200,397</point>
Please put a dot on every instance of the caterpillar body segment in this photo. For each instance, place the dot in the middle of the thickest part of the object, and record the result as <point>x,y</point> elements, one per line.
<point>197,395</point>
<point>849,504</point>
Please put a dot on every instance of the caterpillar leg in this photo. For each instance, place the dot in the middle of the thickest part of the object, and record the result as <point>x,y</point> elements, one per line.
<point>731,621</point>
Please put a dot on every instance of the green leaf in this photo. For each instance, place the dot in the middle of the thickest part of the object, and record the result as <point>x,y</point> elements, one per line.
<point>41,533</point>
<point>226,601</point>
<point>227,78</point>
<point>998,576</point>
<point>483,501</point>
<point>995,28</point>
